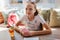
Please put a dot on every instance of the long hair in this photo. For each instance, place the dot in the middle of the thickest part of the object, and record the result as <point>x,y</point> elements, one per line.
<point>36,13</point>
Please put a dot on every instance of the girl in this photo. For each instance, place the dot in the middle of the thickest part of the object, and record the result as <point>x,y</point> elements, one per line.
<point>33,20</point>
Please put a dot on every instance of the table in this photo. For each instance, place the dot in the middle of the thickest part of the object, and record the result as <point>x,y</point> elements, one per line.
<point>54,36</point>
<point>4,34</point>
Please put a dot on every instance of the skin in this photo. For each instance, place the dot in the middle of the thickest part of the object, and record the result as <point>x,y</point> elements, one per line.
<point>30,10</point>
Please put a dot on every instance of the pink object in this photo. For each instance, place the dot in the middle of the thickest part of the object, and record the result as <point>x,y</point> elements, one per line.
<point>12,19</point>
<point>25,31</point>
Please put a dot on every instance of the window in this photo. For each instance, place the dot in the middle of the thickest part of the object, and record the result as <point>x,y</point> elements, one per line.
<point>51,1</point>
<point>16,1</point>
<point>19,1</point>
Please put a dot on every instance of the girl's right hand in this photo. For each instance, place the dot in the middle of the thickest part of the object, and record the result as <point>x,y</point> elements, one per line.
<point>25,32</point>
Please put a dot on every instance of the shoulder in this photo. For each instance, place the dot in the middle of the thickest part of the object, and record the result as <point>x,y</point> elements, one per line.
<point>41,19</point>
<point>39,16</point>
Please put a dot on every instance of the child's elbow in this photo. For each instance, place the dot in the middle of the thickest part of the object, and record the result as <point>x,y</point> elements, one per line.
<point>49,31</point>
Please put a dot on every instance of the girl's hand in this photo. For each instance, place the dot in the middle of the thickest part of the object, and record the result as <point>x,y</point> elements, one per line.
<point>25,32</point>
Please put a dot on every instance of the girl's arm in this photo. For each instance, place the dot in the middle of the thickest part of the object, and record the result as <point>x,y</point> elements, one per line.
<point>34,33</point>
<point>41,32</point>
<point>18,23</point>
<point>23,31</point>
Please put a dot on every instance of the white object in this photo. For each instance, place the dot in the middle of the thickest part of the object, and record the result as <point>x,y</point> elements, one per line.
<point>2,25</point>
<point>18,36</point>
<point>4,34</point>
<point>33,25</point>
<point>32,38</point>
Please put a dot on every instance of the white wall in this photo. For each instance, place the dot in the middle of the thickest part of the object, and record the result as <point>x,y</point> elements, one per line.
<point>5,4</point>
<point>49,4</point>
<point>2,4</point>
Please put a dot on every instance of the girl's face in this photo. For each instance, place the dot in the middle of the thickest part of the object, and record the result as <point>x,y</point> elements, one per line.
<point>30,9</point>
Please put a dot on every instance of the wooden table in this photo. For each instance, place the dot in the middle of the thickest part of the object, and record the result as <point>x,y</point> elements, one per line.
<point>54,36</point>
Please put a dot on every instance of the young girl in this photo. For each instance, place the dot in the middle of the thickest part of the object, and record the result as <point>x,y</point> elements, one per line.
<point>33,20</point>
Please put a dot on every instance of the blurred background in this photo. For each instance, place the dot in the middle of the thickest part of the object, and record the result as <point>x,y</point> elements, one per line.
<point>48,9</point>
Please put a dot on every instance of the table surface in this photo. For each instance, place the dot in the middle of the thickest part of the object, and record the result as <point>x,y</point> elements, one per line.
<point>4,34</point>
<point>54,36</point>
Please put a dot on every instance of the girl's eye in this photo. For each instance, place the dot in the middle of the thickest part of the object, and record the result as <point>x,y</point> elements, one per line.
<point>26,8</point>
<point>30,9</point>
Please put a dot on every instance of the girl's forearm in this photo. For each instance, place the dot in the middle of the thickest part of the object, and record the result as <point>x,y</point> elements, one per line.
<point>33,33</point>
<point>16,29</point>
<point>43,32</point>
